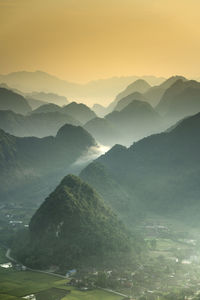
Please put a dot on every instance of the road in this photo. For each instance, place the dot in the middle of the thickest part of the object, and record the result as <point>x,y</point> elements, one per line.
<point>8,255</point>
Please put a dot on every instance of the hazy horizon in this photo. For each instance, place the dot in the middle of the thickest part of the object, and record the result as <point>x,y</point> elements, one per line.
<point>91,79</point>
<point>83,41</point>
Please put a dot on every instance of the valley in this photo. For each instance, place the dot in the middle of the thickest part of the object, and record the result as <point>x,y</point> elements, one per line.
<point>171,269</point>
<point>101,204</point>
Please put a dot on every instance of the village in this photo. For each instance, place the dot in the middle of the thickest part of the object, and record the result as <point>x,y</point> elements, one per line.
<point>172,264</point>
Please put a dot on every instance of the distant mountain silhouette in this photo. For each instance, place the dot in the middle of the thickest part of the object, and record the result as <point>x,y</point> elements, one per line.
<point>139,85</point>
<point>155,93</point>
<point>38,124</point>
<point>48,97</point>
<point>121,104</point>
<point>100,110</point>
<point>137,120</point>
<point>10,100</point>
<point>180,100</point>
<point>46,108</point>
<point>79,111</point>
<point>104,131</point>
<point>34,103</point>
<point>97,91</point>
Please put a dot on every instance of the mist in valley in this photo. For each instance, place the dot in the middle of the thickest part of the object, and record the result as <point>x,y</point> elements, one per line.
<point>99,150</point>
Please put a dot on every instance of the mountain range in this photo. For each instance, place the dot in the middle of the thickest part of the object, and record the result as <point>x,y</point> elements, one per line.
<point>30,166</point>
<point>139,85</point>
<point>47,97</point>
<point>36,124</point>
<point>135,121</point>
<point>180,100</point>
<point>98,91</point>
<point>159,173</point>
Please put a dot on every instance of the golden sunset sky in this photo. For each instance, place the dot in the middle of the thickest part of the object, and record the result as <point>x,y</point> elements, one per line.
<point>81,40</point>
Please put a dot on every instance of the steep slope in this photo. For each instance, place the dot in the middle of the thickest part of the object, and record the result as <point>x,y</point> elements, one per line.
<point>99,110</point>
<point>139,85</point>
<point>180,100</point>
<point>74,229</point>
<point>46,108</point>
<point>39,125</point>
<point>160,172</point>
<point>103,131</point>
<point>122,103</point>
<point>10,100</point>
<point>79,111</point>
<point>155,93</point>
<point>135,121</point>
<point>26,163</point>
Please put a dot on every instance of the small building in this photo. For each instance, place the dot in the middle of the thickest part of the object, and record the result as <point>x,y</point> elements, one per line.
<point>6,265</point>
<point>30,297</point>
<point>70,273</point>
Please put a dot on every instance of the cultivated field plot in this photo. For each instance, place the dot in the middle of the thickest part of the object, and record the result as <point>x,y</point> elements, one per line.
<point>15,285</point>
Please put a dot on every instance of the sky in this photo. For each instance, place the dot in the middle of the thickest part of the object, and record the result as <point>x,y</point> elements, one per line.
<point>82,40</point>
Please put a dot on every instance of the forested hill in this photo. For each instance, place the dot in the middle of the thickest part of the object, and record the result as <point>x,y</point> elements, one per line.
<point>73,228</point>
<point>26,162</point>
<point>160,172</point>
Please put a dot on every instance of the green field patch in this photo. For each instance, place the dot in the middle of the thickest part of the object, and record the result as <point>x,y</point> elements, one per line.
<point>17,284</point>
<point>92,295</point>
<point>52,294</point>
<point>24,283</point>
<point>8,297</point>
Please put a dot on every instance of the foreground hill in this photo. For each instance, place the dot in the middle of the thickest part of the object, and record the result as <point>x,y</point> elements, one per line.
<point>73,229</point>
<point>160,173</point>
<point>10,100</point>
<point>28,165</point>
<point>38,124</point>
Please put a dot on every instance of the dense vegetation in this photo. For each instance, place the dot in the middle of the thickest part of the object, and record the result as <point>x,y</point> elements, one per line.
<point>160,172</point>
<point>37,124</point>
<point>146,188</point>
<point>28,165</point>
<point>73,229</point>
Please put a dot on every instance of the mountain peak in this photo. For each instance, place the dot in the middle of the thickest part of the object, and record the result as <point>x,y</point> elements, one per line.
<point>79,229</point>
<point>74,134</point>
<point>171,80</point>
